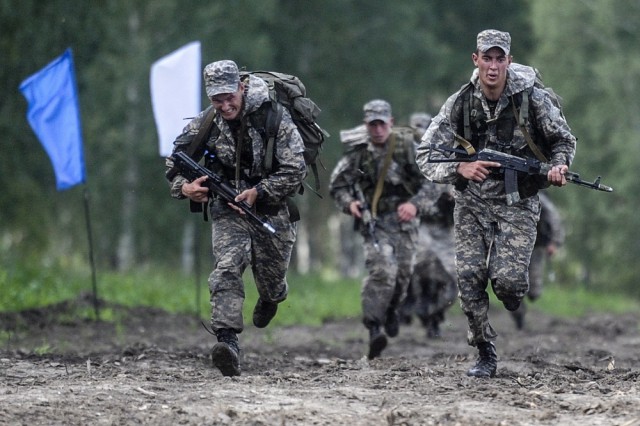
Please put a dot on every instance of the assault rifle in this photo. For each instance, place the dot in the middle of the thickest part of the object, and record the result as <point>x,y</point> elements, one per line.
<point>191,170</point>
<point>509,166</point>
<point>367,217</point>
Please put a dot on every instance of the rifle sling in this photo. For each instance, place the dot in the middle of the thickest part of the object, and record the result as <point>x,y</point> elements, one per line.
<point>383,174</point>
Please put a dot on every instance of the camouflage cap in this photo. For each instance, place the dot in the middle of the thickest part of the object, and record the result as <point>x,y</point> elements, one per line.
<point>494,38</point>
<point>377,110</point>
<point>221,77</point>
<point>420,120</point>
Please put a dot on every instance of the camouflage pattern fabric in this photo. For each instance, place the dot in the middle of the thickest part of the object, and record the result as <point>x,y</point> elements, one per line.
<point>236,242</point>
<point>550,230</point>
<point>494,242</point>
<point>434,277</point>
<point>390,268</point>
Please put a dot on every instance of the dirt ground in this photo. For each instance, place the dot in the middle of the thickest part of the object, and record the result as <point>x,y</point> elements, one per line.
<point>154,368</point>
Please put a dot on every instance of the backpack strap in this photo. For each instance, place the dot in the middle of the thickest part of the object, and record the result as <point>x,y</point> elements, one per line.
<point>523,118</point>
<point>203,133</point>
<point>466,120</point>
<point>194,150</point>
<point>272,124</point>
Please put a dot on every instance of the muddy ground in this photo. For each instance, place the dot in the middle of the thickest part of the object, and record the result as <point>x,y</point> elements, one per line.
<point>154,368</point>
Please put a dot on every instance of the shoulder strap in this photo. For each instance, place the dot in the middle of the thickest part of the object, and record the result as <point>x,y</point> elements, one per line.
<point>274,117</point>
<point>522,118</point>
<point>383,174</point>
<point>203,133</point>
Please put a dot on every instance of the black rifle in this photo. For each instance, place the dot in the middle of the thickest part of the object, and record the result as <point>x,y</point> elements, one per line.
<point>367,218</point>
<point>191,170</point>
<point>510,165</point>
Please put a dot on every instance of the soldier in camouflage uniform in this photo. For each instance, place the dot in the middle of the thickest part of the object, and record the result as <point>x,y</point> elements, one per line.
<point>433,284</point>
<point>550,236</point>
<point>382,164</point>
<point>236,151</point>
<point>493,240</point>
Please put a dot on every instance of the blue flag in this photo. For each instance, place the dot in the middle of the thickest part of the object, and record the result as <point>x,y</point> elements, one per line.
<point>54,116</point>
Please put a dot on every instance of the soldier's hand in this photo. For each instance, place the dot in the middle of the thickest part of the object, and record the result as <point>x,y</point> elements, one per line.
<point>557,175</point>
<point>354,209</point>
<point>249,196</point>
<point>195,191</point>
<point>407,211</point>
<point>476,171</point>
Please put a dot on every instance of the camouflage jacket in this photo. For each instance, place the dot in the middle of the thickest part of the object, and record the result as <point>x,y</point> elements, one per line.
<point>546,125</point>
<point>289,167</point>
<point>362,164</point>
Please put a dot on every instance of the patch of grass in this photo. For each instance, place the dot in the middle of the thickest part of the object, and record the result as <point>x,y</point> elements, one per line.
<point>576,301</point>
<point>313,299</point>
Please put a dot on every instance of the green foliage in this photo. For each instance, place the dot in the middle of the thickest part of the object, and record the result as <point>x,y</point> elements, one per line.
<point>347,52</point>
<point>602,61</point>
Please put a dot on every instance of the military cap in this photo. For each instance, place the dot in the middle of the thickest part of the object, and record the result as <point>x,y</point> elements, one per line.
<point>221,77</point>
<point>377,109</point>
<point>494,38</point>
<point>420,120</point>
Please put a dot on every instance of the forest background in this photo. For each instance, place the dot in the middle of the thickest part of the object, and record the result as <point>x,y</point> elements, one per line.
<point>413,54</point>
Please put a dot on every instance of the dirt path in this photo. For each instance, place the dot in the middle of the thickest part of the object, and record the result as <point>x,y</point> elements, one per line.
<point>154,369</point>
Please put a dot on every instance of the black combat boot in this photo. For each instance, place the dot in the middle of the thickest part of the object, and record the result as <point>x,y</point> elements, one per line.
<point>487,361</point>
<point>377,341</point>
<point>433,329</point>
<point>511,303</point>
<point>518,316</point>
<point>392,323</point>
<point>263,313</point>
<point>226,353</point>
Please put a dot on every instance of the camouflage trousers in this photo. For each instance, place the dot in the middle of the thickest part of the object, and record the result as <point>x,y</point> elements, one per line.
<point>493,244</point>
<point>238,243</point>
<point>389,268</point>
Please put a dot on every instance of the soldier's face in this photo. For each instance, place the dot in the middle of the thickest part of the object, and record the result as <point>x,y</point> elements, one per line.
<point>379,131</point>
<point>492,67</point>
<point>229,105</point>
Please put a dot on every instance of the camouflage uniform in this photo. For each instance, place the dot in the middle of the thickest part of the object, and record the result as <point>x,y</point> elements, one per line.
<point>433,283</point>
<point>494,241</point>
<point>238,243</point>
<point>550,231</point>
<point>390,267</point>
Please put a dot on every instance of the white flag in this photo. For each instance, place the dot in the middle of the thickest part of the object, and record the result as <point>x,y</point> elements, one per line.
<point>175,92</point>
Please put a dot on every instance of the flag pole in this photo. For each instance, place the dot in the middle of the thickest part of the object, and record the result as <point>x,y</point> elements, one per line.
<point>94,284</point>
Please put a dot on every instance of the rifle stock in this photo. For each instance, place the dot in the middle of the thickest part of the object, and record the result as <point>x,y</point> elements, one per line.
<point>510,165</point>
<point>192,170</point>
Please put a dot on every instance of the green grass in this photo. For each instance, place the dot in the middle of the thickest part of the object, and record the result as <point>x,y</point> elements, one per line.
<point>312,299</point>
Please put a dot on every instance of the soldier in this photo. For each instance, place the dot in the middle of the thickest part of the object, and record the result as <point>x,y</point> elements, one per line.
<point>494,239</point>
<point>433,284</point>
<point>550,236</point>
<point>379,171</point>
<point>235,151</point>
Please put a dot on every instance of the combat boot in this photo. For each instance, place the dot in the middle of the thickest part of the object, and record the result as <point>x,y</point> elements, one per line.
<point>433,329</point>
<point>487,361</point>
<point>226,353</point>
<point>392,323</point>
<point>377,341</point>
<point>263,313</point>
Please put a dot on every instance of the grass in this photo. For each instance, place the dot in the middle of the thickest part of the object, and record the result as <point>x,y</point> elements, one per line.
<point>312,299</point>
